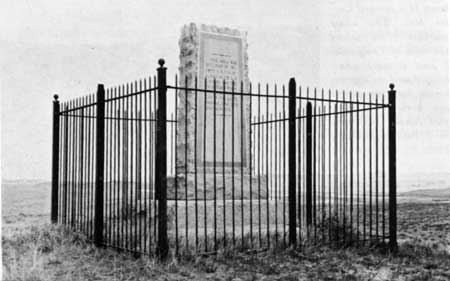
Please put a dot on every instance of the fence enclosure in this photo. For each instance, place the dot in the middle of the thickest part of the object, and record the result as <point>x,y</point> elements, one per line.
<point>195,166</point>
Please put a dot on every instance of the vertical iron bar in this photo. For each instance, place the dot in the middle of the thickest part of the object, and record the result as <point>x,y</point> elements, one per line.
<point>259,165</point>
<point>176,172</point>
<point>351,170</point>
<point>392,171</point>
<point>80,210</point>
<point>55,160</point>
<point>99,165</point>
<point>318,162</point>
<point>274,155</point>
<point>329,167</point>
<point>241,117</point>
<point>88,164</point>
<point>292,165</point>
<point>308,167</point>
<point>336,171</point>
<point>250,163</point>
<point>270,160</point>
<point>153,168</point>
<point>124,152</point>
<point>93,161</point>
<point>214,162</point>
<point>66,163</point>
<point>267,166</point>
<point>232,165</point>
<point>116,178</point>
<point>106,171</point>
<point>299,194</point>
<point>140,173</point>
<point>345,173</point>
<point>204,165</point>
<point>186,97</point>
<point>376,169</point>
<point>126,167</point>
<point>69,166</point>
<point>73,168</point>
<point>284,173</point>
<point>317,112</point>
<point>195,163</point>
<point>223,163</point>
<point>370,170</point>
<point>314,165</point>
<point>299,179</point>
<point>161,163</point>
<point>133,161</point>
<point>60,166</point>
<point>364,170</point>
<point>357,166</point>
<point>323,168</point>
<point>341,167</point>
<point>110,136</point>
<point>146,174</point>
<point>383,169</point>
<point>341,171</point>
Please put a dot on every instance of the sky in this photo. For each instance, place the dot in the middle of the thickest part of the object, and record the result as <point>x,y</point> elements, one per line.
<point>68,47</point>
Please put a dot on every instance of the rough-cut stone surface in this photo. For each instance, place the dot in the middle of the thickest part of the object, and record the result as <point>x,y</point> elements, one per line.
<point>186,108</point>
<point>246,193</point>
<point>191,105</point>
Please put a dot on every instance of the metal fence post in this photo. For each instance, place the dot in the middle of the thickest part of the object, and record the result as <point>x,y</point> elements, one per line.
<point>161,162</point>
<point>292,167</point>
<point>55,161</point>
<point>99,169</point>
<point>308,165</point>
<point>392,172</point>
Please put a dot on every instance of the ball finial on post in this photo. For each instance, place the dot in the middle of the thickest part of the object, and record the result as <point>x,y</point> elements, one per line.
<point>161,62</point>
<point>391,86</point>
<point>56,97</point>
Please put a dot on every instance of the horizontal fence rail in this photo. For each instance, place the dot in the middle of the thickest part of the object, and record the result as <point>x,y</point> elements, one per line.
<point>203,165</point>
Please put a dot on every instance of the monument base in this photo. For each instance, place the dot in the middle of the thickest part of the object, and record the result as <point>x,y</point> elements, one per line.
<point>205,189</point>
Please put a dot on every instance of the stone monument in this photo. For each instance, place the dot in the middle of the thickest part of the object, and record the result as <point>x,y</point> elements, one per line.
<point>208,53</point>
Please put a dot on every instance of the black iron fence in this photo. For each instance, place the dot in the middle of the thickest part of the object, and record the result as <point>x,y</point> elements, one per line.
<point>236,166</point>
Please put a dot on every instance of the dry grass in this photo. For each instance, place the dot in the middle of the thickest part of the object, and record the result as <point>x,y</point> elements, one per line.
<point>51,253</point>
<point>36,250</point>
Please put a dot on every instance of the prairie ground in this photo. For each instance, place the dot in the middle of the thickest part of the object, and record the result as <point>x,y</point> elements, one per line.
<point>35,250</point>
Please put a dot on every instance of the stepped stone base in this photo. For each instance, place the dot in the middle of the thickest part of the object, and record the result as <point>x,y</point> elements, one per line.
<point>208,187</point>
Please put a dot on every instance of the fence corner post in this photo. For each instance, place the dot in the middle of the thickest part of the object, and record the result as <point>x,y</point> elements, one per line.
<point>161,162</point>
<point>392,172</point>
<point>99,161</point>
<point>55,161</point>
<point>292,164</point>
<point>309,166</point>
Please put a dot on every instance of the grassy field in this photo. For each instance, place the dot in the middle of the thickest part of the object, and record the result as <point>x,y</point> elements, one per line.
<point>35,250</point>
